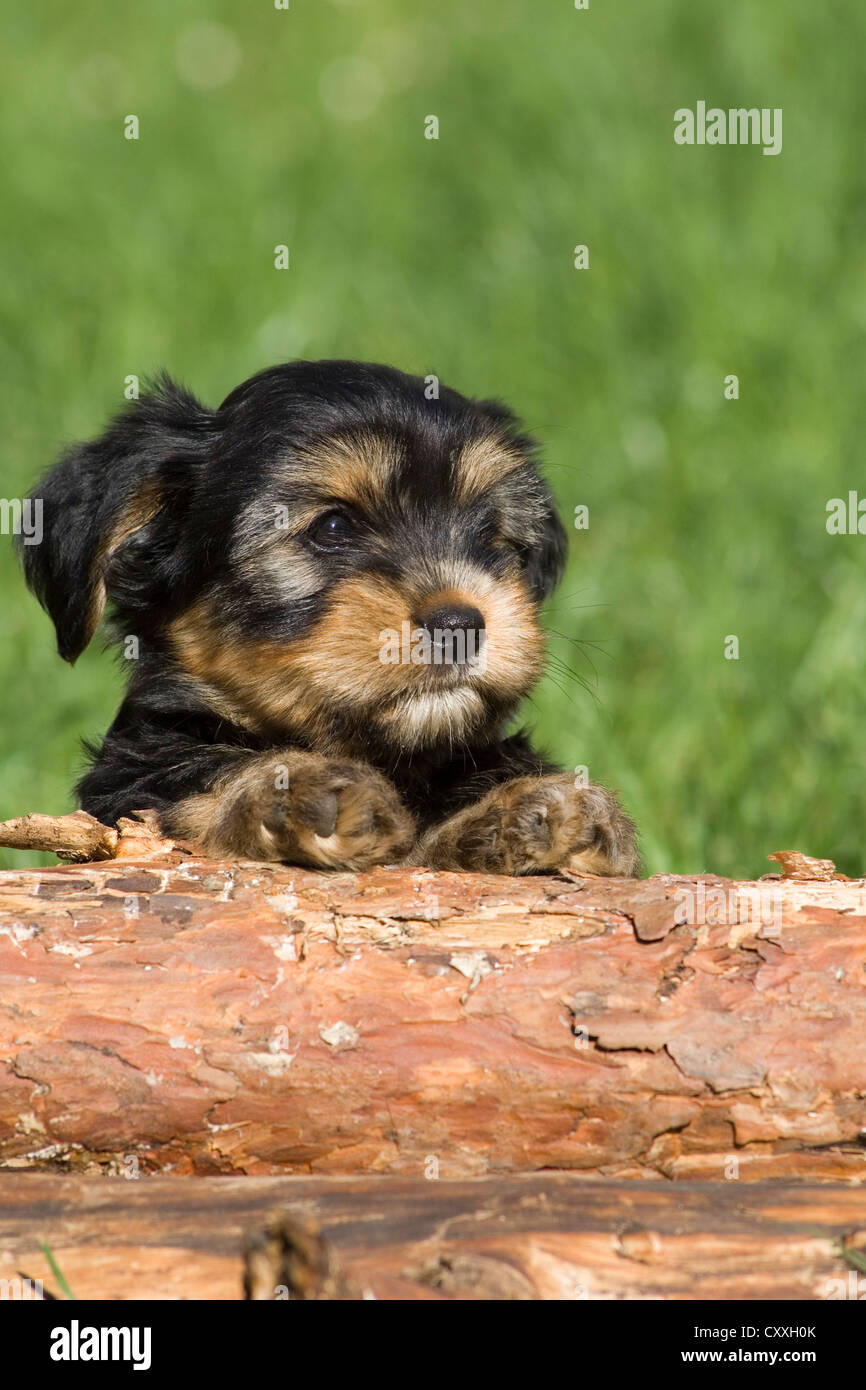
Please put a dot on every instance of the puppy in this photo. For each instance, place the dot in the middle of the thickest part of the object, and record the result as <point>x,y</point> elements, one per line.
<point>328,590</point>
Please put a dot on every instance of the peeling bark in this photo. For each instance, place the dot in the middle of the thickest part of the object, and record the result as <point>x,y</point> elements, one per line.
<point>80,838</point>
<point>76,837</point>
<point>192,1016</point>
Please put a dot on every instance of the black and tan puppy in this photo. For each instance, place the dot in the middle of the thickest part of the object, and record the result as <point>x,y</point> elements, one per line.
<point>333,584</point>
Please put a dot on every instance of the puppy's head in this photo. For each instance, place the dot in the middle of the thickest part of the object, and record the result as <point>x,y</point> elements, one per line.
<point>336,554</point>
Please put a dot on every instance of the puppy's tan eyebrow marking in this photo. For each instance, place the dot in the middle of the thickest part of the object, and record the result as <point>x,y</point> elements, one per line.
<point>351,468</point>
<point>481,464</point>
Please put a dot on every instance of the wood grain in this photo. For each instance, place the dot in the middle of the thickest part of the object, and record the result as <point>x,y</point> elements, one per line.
<point>528,1236</point>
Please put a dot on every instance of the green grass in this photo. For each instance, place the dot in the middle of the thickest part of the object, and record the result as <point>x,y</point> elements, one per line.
<point>56,1270</point>
<point>455,256</point>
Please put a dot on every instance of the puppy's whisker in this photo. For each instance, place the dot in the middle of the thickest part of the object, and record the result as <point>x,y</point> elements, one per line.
<point>597,644</point>
<point>581,649</point>
<point>564,672</point>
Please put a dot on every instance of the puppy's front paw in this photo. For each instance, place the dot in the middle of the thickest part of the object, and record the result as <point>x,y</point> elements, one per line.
<point>338,815</point>
<point>537,825</point>
<point>303,810</point>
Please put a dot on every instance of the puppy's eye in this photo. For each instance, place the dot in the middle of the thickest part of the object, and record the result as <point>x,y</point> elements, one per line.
<point>331,531</point>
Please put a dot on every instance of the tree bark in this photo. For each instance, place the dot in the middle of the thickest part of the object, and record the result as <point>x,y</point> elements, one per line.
<point>526,1236</point>
<point>201,1017</point>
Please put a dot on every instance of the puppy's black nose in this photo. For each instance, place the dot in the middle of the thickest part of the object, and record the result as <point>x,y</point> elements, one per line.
<point>457,630</point>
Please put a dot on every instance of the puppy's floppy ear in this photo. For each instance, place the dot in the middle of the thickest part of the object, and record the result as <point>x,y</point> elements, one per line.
<point>544,561</point>
<point>99,494</point>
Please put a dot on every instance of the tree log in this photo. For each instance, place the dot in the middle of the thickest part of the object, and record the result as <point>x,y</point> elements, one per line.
<point>195,1016</point>
<point>526,1236</point>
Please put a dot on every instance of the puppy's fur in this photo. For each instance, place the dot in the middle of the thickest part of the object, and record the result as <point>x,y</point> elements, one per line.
<point>258,553</point>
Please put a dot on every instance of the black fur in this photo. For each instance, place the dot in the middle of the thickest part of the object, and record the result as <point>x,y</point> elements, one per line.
<point>188,474</point>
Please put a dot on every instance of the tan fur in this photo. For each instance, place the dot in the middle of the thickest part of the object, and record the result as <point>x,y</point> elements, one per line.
<point>353,469</point>
<point>536,825</point>
<point>142,509</point>
<point>481,465</point>
<point>298,807</point>
<point>292,686</point>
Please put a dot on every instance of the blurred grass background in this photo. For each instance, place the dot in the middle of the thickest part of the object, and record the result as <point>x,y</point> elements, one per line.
<point>306,127</point>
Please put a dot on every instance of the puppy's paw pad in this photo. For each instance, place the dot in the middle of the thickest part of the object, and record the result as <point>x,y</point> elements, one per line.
<point>338,815</point>
<point>538,825</point>
<point>580,827</point>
